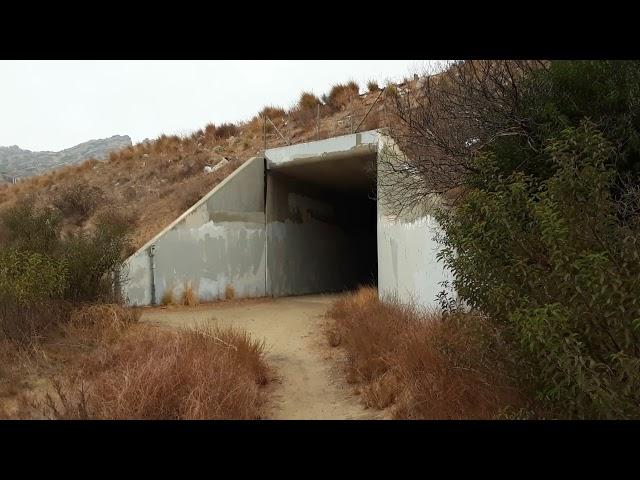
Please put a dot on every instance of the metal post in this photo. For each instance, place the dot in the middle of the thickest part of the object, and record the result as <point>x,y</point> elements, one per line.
<point>278,132</point>
<point>152,252</point>
<point>264,130</point>
<point>369,111</point>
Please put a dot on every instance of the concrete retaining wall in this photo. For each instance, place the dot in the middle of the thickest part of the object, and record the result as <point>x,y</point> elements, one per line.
<point>217,244</point>
<point>407,265</point>
<point>299,236</point>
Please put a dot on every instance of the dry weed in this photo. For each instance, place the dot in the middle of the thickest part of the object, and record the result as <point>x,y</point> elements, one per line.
<point>158,374</point>
<point>427,366</point>
<point>190,296</point>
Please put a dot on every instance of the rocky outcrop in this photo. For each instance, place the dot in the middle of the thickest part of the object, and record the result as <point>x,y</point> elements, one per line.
<point>18,163</point>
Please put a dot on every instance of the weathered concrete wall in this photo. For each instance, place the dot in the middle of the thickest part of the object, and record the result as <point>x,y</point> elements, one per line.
<point>343,146</point>
<point>310,248</point>
<point>217,243</point>
<point>407,265</point>
<point>305,238</point>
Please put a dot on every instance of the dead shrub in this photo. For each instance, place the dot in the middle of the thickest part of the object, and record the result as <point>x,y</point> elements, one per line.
<point>168,296</point>
<point>372,121</point>
<point>29,323</point>
<point>99,323</point>
<point>341,95</point>
<point>391,91</point>
<point>116,216</point>
<point>190,295</point>
<point>158,374</point>
<point>368,331</point>
<point>226,130</point>
<point>427,366</point>
<point>166,144</point>
<point>308,101</point>
<point>209,132</point>
<point>229,292</point>
<point>190,197</point>
<point>382,391</point>
<point>333,336</point>
<point>78,201</point>
<point>272,112</point>
<point>372,86</point>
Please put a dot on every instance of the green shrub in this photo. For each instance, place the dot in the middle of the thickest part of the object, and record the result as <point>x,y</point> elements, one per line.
<point>81,266</point>
<point>28,276</point>
<point>93,260</point>
<point>31,285</point>
<point>560,97</point>
<point>550,258</point>
<point>28,228</point>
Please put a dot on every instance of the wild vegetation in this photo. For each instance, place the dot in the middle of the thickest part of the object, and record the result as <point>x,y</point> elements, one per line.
<point>156,180</point>
<point>68,349</point>
<point>425,365</point>
<point>154,374</point>
<point>539,165</point>
<point>542,234</point>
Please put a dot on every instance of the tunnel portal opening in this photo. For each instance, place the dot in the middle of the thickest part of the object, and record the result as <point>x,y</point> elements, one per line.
<point>321,225</point>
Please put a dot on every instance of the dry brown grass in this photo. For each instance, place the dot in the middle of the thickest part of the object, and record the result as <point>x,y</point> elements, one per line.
<point>427,366</point>
<point>168,296</point>
<point>155,374</point>
<point>29,323</point>
<point>190,296</point>
<point>78,201</point>
<point>102,364</point>
<point>158,179</point>
<point>99,323</point>
<point>341,95</point>
<point>372,86</point>
<point>229,292</point>
<point>63,345</point>
<point>274,113</point>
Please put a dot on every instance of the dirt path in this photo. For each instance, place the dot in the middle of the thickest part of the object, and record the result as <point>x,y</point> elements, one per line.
<point>308,385</point>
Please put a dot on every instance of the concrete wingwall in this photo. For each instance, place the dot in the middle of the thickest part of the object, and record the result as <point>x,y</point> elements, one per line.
<point>216,245</point>
<point>407,266</point>
<point>298,236</point>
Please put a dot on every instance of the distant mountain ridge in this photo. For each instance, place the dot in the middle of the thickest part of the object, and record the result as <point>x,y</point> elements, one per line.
<point>18,163</point>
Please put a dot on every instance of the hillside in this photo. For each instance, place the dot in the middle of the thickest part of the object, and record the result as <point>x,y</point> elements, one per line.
<point>18,163</point>
<point>155,181</point>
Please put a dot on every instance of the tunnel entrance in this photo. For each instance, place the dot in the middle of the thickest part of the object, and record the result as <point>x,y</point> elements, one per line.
<point>321,225</point>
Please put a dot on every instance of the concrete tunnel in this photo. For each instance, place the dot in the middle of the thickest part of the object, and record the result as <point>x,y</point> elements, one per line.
<point>300,219</point>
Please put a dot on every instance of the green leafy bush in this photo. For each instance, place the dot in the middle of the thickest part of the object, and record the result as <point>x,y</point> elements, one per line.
<point>31,285</point>
<point>550,258</point>
<point>29,276</point>
<point>28,228</point>
<point>39,262</point>
<point>93,261</point>
<point>561,96</point>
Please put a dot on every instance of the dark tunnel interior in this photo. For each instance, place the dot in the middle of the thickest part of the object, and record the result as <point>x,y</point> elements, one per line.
<point>328,211</point>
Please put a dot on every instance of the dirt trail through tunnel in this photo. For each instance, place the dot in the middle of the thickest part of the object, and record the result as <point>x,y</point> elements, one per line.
<point>308,386</point>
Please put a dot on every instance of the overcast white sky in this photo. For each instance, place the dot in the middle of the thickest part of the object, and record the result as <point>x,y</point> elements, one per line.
<point>52,105</point>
